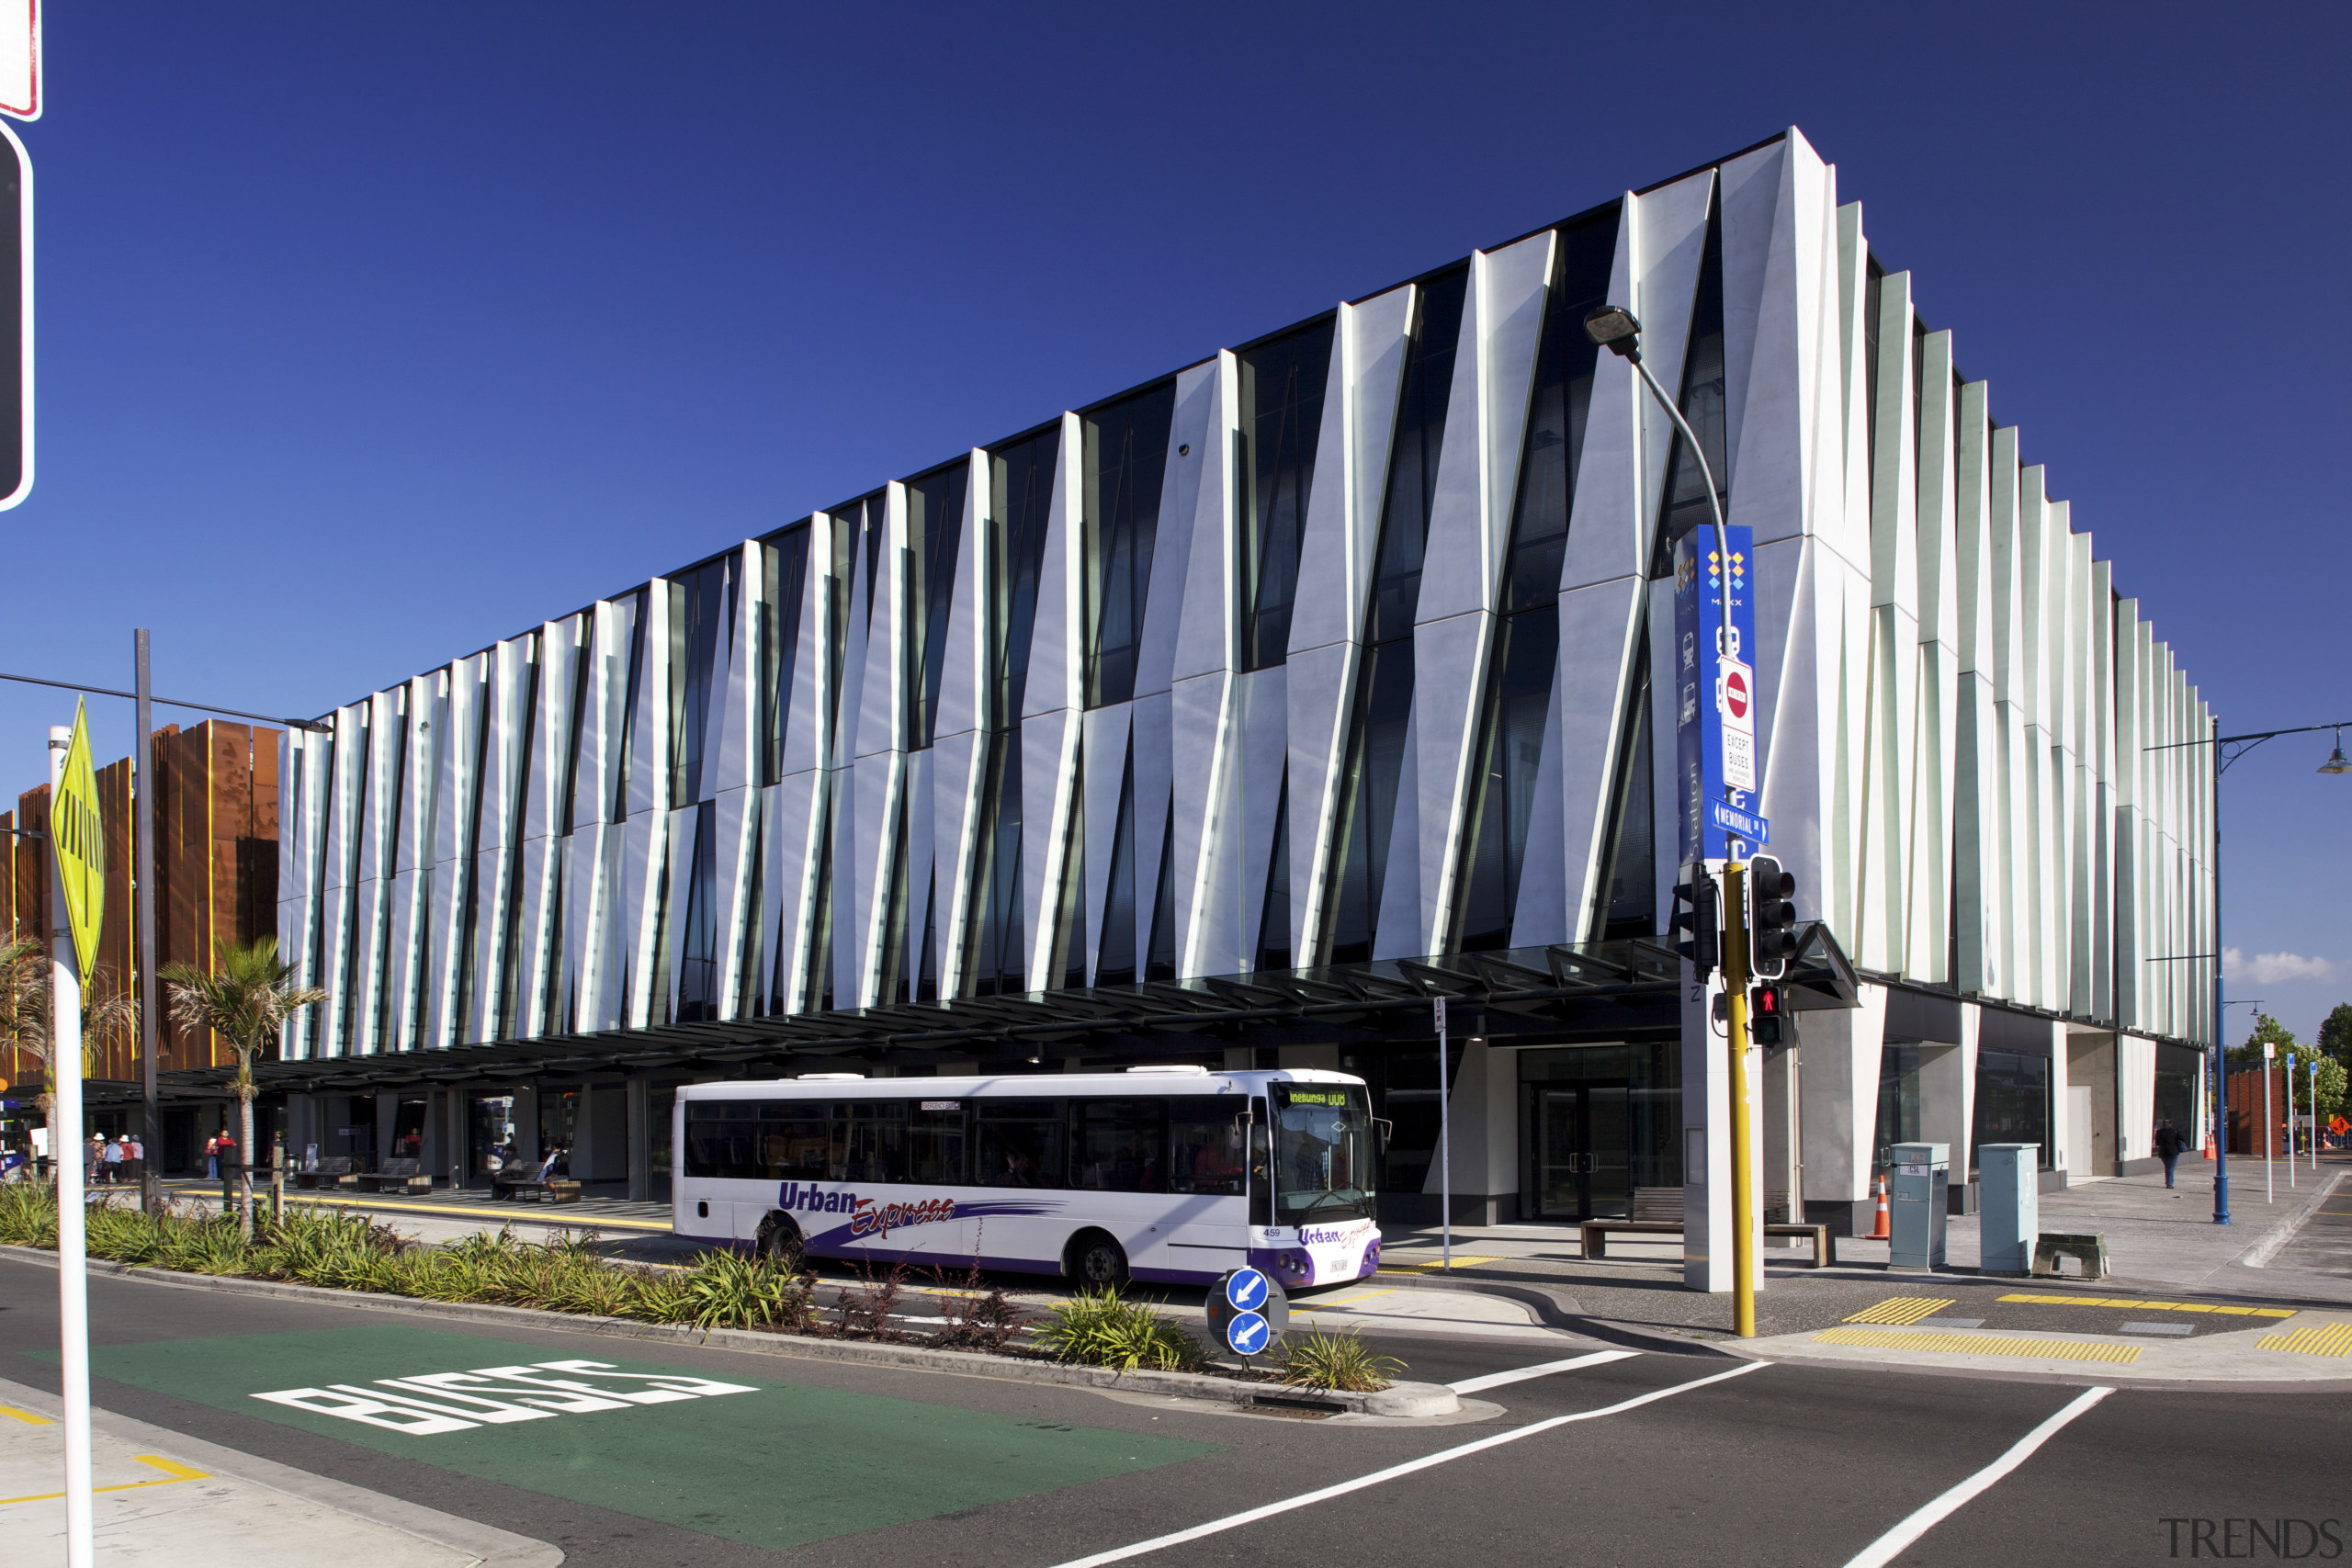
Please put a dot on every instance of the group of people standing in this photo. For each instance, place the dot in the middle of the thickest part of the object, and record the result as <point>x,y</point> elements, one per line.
<point>113,1163</point>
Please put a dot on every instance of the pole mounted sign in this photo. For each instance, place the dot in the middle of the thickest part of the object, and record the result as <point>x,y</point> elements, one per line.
<point>1717,769</point>
<point>19,97</point>
<point>81,842</point>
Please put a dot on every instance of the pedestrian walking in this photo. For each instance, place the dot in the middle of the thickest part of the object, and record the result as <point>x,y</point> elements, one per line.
<point>135,1160</point>
<point>2169,1143</point>
<point>112,1154</point>
<point>213,1158</point>
<point>93,1158</point>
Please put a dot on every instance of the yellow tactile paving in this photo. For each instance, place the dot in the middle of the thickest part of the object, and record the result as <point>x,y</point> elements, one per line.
<point>27,1416</point>
<point>1979,1345</point>
<point>2327,1339</point>
<point>1902,1309</point>
<point>2151,1306</point>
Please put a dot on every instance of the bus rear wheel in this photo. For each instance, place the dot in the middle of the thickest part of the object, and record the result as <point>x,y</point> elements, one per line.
<point>780,1243</point>
<point>1097,1262</point>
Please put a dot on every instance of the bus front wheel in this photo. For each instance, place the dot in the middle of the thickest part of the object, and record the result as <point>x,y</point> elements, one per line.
<point>780,1243</point>
<point>1097,1262</point>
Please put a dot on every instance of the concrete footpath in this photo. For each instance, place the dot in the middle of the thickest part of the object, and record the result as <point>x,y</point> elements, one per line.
<point>165,1497</point>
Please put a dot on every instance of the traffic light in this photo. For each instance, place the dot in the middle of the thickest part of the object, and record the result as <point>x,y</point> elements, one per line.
<point>1764,1003</point>
<point>1697,910</point>
<point>1771,919</point>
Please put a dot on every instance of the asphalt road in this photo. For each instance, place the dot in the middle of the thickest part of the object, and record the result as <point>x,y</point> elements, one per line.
<point>774,1459</point>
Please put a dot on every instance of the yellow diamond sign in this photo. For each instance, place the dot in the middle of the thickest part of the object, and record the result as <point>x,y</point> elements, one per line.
<point>81,845</point>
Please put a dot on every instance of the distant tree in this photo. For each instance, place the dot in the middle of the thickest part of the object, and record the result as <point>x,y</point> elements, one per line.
<point>2336,1035</point>
<point>23,1020</point>
<point>2266,1028</point>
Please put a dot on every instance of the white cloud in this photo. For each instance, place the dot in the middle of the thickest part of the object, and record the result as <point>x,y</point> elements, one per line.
<point>2274,968</point>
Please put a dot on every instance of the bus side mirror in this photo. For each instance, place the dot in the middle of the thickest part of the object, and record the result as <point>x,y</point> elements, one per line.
<point>1386,1129</point>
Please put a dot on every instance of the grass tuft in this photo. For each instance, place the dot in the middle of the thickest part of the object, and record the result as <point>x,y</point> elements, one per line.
<point>1339,1360</point>
<point>1102,1328</point>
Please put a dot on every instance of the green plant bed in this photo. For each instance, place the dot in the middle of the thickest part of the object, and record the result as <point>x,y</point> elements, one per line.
<point>1104,1328</point>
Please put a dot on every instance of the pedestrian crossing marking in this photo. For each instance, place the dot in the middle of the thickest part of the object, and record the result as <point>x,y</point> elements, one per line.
<point>1902,1309</point>
<point>2326,1340</point>
<point>1979,1345</point>
<point>2149,1306</point>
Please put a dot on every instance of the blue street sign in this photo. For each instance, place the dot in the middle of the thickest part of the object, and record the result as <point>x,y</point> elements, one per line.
<point>1246,1288</point>
<point>1739,824</point>
<point>1718,759</point>
<point>1247,1334</point>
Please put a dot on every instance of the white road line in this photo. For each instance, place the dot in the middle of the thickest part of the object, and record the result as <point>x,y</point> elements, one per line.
<point>1497,1379</point>
<point>1234,1521</point>
<point>1883,1551</point>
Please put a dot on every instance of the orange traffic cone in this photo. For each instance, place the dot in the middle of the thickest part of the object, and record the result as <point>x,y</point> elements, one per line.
<point>1882,1228</point>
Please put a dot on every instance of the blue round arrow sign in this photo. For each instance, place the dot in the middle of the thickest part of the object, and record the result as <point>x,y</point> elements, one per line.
<point>1247,1334</point>
<point>1246,1288</point>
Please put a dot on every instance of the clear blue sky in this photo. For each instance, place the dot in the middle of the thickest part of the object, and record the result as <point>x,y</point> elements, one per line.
<point>371,334</point>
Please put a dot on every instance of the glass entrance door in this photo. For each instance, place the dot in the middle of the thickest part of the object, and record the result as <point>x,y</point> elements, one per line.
<point>1583,1151</point>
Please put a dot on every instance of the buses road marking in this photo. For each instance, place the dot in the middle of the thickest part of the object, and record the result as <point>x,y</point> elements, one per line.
<point>1497,1379</point>
<point>426,1405</point>
<point>1884,1549</point>
<point>1306,1500</point>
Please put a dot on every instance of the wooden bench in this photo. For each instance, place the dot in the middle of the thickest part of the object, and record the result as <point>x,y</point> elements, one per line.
<point>1659,1210</point>
<point>334,1171</point>
<point>2089,1250</point>
<point>394,1175</point>
<point>530,1190</point>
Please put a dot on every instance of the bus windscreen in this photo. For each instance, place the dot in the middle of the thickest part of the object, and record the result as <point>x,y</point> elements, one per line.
<point>1323,1154</point>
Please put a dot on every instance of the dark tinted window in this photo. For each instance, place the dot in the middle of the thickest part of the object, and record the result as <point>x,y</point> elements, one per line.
<point>1017,1143</point>
<point>1118,1145</point>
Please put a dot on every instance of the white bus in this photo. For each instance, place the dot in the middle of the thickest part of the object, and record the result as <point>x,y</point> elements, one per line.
<point>1172,1175</point>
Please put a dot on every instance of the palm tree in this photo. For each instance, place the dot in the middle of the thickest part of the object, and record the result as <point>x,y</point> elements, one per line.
<point>246,1001</point>
<point>24,1021</point>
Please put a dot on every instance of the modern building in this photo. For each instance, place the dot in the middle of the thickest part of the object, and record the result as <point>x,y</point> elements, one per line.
<point>1235,718</point>
<point>216,882</point>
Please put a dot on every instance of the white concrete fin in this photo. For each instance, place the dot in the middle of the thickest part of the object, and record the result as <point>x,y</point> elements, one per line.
<point>1198,412</point>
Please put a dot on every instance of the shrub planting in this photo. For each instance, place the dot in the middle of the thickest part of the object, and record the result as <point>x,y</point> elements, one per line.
<point>1340,1361</point>
<point>1104,1328</point>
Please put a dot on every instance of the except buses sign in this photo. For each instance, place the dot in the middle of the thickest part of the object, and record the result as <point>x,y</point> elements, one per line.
<point>80,840</point>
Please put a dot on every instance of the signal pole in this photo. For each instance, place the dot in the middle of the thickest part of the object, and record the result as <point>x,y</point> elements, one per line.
<point>1742,1188</point>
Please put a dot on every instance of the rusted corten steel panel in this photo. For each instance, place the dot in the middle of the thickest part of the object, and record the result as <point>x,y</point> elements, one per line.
<point>216,873</point>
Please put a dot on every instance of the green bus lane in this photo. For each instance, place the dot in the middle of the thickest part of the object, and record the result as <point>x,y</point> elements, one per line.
<point>770,1464</point>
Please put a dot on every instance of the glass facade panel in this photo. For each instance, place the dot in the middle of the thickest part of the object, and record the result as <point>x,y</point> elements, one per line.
<point>785,562</point>
<point>1898,1104</point>
<point>934,528</point>
<point>698,948</point>
<point>2012,1102</point>
<point>1703,406</point>
<point>1115,963</point>
<point>702,616</point>
<point>1526,655</point>
<point>1126,457</point>
<point>1421,405</point>
<point>1281,392</point>
<point>1020,486</point>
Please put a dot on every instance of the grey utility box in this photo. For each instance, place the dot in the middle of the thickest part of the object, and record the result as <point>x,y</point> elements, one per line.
<point>1922,1175</point>
<point>2009,1217</point>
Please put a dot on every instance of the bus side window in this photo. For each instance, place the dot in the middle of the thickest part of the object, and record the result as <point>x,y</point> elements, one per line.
<point>1262,1184</point>
<point>1208,1150</point>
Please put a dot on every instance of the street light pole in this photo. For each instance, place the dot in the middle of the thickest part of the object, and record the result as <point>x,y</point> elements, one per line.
<point>2224,756</point>
<point>1616,329</point>
<point>151,1187</point>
